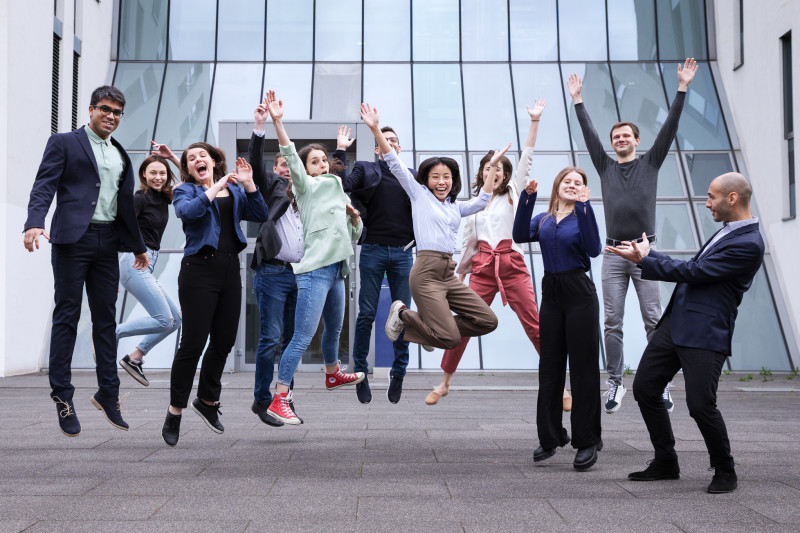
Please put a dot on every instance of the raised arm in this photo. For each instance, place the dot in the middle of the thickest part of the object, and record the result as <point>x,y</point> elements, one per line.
<point>666,134</point>
<point>535,113</point>
<point>255,150</point>
<point>371,118</point>
<point>587,224</point>
<point>275,108</point>
<point>526,159</point>
<point>521,232</point>
<point>593,143</point>
<point>162,150</point>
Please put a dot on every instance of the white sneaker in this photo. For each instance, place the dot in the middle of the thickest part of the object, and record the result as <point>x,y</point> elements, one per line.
<point>394,326</point>
<point>615,393</point>
<point>667,397</point>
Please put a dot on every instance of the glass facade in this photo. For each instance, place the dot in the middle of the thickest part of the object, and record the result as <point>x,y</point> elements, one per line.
<point>453,78</point>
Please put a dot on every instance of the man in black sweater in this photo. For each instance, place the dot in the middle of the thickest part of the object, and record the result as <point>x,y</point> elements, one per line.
<point>629,198</point>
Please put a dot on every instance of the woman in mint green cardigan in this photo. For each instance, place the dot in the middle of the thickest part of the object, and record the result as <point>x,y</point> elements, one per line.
<point>330,224</point>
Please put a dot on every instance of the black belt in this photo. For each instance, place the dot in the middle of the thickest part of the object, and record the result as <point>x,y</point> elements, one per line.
<point>100,225</point>
<point>278,262</point>
<point>615,242</point>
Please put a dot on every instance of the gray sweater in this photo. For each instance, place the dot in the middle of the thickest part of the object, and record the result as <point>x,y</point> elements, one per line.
<point>629,189</point>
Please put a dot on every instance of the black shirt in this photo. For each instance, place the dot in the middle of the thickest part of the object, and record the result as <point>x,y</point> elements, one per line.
<point>152,214</point>
<point>388,220</point>
<point>228,240</point>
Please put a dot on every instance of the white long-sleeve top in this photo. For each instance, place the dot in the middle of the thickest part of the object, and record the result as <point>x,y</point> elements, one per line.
<point>435,223</point>
<point>495,223</point>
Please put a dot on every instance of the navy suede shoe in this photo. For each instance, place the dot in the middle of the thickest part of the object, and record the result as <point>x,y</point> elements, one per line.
<point>110,408</point>
<point>67,419</point>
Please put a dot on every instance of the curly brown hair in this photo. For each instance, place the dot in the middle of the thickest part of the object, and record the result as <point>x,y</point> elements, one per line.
<point>217,154</point>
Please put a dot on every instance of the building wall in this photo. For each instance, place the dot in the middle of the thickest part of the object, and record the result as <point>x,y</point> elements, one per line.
<point>755,93</point>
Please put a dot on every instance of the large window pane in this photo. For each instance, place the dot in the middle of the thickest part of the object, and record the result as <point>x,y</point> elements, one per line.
<point>292,84</point>
<point>544,169</point>
<point>241,30</point>
<point>237,89</point>
<point>702,126</point>
<point>641,99</point>
<point>631,30</point>
<point>337,92</point>
<point>484,27</point>
<point>595,185</point>
<point>541,81</point>
<point>703,168</point>
<point>674,227</point>
<point>438,111</point>
<point>489,84</point>
<point>670,184</point>
<point>598,99</point>
<point>386,30</point>
<point>184,104</point>
<point>141,85</point>
<point>338,31</point>
<point>192,29</point>
<point>290,30</point>
<point>388,88</point>
<point>582,30</point>
<point>143,31</point>
<point>436,33</point>
<point>534,32</point>
<point>681,29</point>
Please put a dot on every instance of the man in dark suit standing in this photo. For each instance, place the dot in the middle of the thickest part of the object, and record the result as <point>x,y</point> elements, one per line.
<point>695,332</point>
<point>93,179</point>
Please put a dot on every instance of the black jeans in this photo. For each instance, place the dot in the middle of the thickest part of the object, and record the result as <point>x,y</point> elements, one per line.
<point>210,293</point>
<point>569,326</point>
<point>701,369</point>
<point>92,261</point>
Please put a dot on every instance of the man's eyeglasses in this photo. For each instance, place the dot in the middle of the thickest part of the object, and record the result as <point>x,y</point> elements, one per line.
<point>106,110</point>
<point>392,140</point>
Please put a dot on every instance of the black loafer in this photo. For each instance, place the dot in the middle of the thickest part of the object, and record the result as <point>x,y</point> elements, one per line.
<point>656,470</point>
<point>585,458</point>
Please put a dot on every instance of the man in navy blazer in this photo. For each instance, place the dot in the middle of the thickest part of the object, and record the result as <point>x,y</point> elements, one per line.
<point>696,329</point>
<point>92,178</point>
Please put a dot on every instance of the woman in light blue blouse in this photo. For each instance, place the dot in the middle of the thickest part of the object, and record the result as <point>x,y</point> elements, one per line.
<point>435,290</point>
<point>569,317</point>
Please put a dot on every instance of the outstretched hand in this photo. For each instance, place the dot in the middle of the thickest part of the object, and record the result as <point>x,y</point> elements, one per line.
<point>370,116</point>
<point>498,154</point>
<point>631,250</point>
<point>531,187</point>
<point>261,114</point>
<point>274,106</point>
<point>686,74</point>
<point>244,174</point>
<point>536,111</point>
<point>575,84</point>
<point>584,194</point>
<point>162,150</point>
<point>343,140</point>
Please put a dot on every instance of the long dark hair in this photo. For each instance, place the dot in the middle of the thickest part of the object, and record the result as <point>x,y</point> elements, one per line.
<point>220,166</point>
<point>507,169</point>
<point>428,164</point>
<point>334,165</point>
<point>166,190</point>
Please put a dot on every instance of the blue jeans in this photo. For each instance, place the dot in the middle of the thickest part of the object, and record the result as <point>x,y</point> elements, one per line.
<point>163,313</point>
<point>320,293</point>
<point>375,261</point>
<point>276,291</point>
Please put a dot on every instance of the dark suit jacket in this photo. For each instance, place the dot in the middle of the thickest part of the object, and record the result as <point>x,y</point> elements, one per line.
<point>273,190</point>
<point>69,170</point>
<point>709,289</point>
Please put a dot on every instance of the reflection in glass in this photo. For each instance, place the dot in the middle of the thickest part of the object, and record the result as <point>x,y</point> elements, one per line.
<point>173,238</point>
<point>388,88</point>
<point>534,33</point>
<point>386,30</point>
<point>489,85</point>
<point>184,104</point>
<point>141,85</point>
<point>702,126</point>
<point>436,33</point>
<point>484,30</point>
<point>582,30</point>
<point>703,168</point>
<point>533,81</point>
<point>641,99</point>
<point>237,88</point>
<point>241,30</point>
<point>681,29</point>
<point>438,111</point>
<point>338,31</point>
<point>544,169</point>
<point>598,99</point>
<point>143,35</point>
<point>631,30</point>
<point>674,227</point>
<point>337,92</point>
<point>670,184</point>
<point>292,83</point>
<point>289,30</point>
<point>192,29</point>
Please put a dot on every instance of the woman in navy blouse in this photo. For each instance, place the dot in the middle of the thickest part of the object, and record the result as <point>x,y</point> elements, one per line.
<point>569,319</point>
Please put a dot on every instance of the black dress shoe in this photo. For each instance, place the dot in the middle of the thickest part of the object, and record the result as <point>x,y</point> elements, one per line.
<point>261,410</point>
<point>209,414</point>
<point>111,410</point>
<point>363,392</point>
<point>658,469</point>
<point>171,429</point>
<point>585,458</point>
<point>724,481</point>
<point>541,453</point>
<point>67,419</point>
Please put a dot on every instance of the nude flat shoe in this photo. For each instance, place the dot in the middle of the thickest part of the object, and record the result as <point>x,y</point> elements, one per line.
<point>566,401</point>
<point>433,397</point>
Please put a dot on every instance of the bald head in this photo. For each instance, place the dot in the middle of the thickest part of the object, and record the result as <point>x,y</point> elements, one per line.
<point>735,182</point>
<point>729,197</point>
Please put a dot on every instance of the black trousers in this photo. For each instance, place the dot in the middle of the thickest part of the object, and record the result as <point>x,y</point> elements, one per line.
<point>92,261</point>
<point>701,369</point>
<point>210,294</point>
<point>569,327</point>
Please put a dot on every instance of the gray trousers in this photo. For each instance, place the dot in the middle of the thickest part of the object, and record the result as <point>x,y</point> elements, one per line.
<point>616,274</point>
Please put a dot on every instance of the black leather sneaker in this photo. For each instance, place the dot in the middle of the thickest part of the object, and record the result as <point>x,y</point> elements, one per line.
<point>724,481</point>
<point>209,414</point>
<point>134,368</point>
<point>541,453</point>
<point>395,389</point>
<point>111,410</point>
<point>67,419</point>
<point>658,469</point>
<point>363,391</point>
<point>171,429</point>
<point>585,458</point>
<point>261,410</point>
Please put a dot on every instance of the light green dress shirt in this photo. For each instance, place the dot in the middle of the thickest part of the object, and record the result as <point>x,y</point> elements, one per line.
<point>110,166</point>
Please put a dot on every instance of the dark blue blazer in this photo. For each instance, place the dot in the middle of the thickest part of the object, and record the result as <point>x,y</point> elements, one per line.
<point>200,216</point>
<point>69,172</point>
<point>709,289</point>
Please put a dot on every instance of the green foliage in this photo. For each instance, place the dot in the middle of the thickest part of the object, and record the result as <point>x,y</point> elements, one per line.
<point>627,371</point>
<point>748,377</point>
<point>726,372</point>
<point>765,373</point>
<point>794,373</point>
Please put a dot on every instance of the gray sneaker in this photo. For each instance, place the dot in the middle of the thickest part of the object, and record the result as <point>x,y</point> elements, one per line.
<point>615,393</point>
